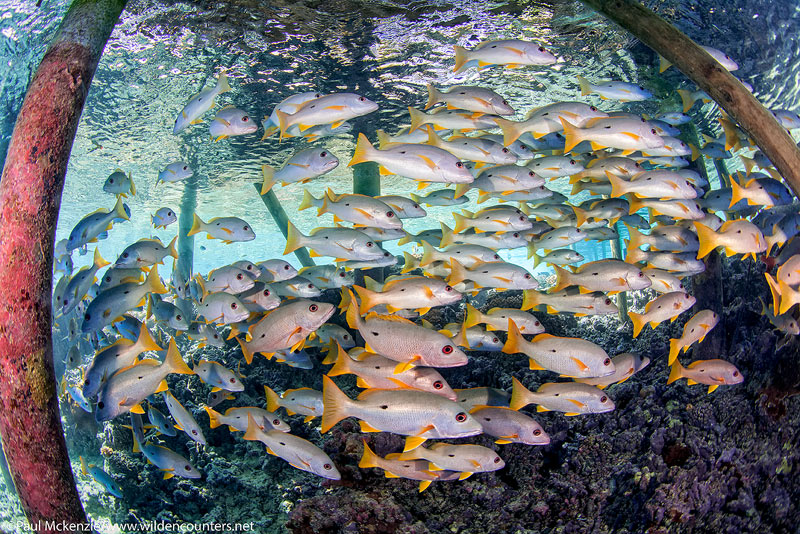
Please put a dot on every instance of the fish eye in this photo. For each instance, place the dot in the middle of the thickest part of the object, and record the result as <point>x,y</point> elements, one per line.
<point>505,102</point>
<point>87,317</point>
<point>608,301</point>
<point>101,405</point>
<point>736,373</point>
<point>187,467</point>
<point>541,49</point>
<point>185,167</point>
<point>323,154</point>
<point>459,164</point>
<point>607,361</point>
<point>497,459</point>
<point>239,276</point>
<point>286,267</point>
<point>327,467</point>
<point>438,384</point>
<point>111,180</point>
<point>194,432</point>
<point>313,308</point>
<point>266,293</point>
<point>447,349</point>
<point>234,305</point>
<point>342,275</point>
<point>390,214</point>
<point>310,286</point>
<point>361,99</point>
<point>345,336</point>
<point>461,417</point>
<point>603,398</point>
<point>178,317</point>
<point>448,288</point>
<point>641,274</point>
<point>369,244</point>
<point>527,276</point>
<point>246,228</point>
<point>124,254</point>
<point>245,118</point>
<point>653,131</point>
<point>505,151</point>
<point>276,422</point>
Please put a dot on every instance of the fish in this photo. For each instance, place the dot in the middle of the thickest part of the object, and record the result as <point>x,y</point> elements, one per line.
<point>77,397</point>
<point>614,90</point>
<point>417,414</point>
<point>361,210</point>
<point>680,264</point>
<point>547,120</point>
<point>298,452</point>
<point>738,236</point>
<point>573,357</point>
<point>486,240</point>
<point>222,308</point>
<point>375,371</point>
<point>722,58</point>
<point>467,459</point>
<point>678,209</point>
<point>185,421</point>
<point>79,284</point>
<point>125,390</point>
<point>175,172</point>
<point>302,166</point>
<point>395,468</point>
<point>620,133</point>
<point>298,359</point>
<point>663,185</point>
<point>403,341</point>
<point>112,303</point>
<point>115,276</point>
<point>405,208</point>
<point>119,183</point>
<point>610,276</point>
<point>101,477</point>
<point>754,191</point>
<point>788,119</point>
<point>331,109</point>
<point>166,460</point>
<point>215,398</point>
<point>572,398</point>
<point>275,270</point>
<point>340,243</point>
<point>625,366</point>
<point>497,275</point>
<point>556,239</point>
<point>498,319</point>
<point>227,229</point>
<point>236,419</point>
<point>472,398</point>
<point>218,376</point>
<point>477,149</point>
<point>199,104</point>
<point>94,225</point>
<point>297,287</point>
<point>287,326</point>
<point>121,354</point>
<point>230,279</point>
<point>786,323</point>
<point>160,421</point>
<point>417,292</point>
<point>552,167</point>
<point>665,238</point>
<point>509,426</point>
<point>506,179</point>
<point>666,306</point>
<point>559,257</point>
<point>504,219</point>
<point>328,276</point>
<point>674,118</point>
<point>695,330</point>
<point>423,163</point>
<point>689,98</point>
<point>713,373</point>
<point>440,197</point>
<point>518,148</point>
<point>469,98</point>
<point>473,338</point>
<point>146,252</point>
<point>329,332</point>
<point>206,334</point>
<point>663,281</point>
<point>287,105</point>
<point>510,53</point>
<point>163,217</point>
<point>570,300</point>
<point>166,312</point>
<point>303,401</point>
<point>446,119</point>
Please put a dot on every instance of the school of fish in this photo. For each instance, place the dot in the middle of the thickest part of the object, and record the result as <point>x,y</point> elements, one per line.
<point>122,323</point>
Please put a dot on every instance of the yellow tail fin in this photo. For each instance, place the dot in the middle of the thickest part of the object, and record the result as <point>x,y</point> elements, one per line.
<point>145,340</point>
<point>510,129</point>
<point>213,417</point>
<point>674,350</point>
<point>458,273</point>
<point>515,342</point>
<point>427,254</point>
<point>335,404</point>
<point>384,140</point>
<point>663,64</point>
<point>530,299</point>
<point>368,299</point>
<point>341,366</point>
<point>352,316</point>
<point>775,291</point>
<point>273,400</point>
<point>283,123</point>
<point>197,225</point>
<point>749,164</point>
<point>461,57</point>
<point>572,135</point>
<point>363,151</point>
<point>687,99</point>
<point>153,281</point>
<point>410,263</point>
<point>460,339</point>
<point>675,372</point>
<point>634,205</point>
<point>174,360</point>
<point>789,297</point>
<point>737,192</point>
<point>172,251</point>
<point>447,236</point>
<point>268,175</point>
<point>461,223</point>
<point>418,118</point>
<point>707,238</point>
<point>695,152</point>
<point>119,210</point>
<point>519,395</point>
<point>638,320</point>
<point>251,434</point>
<point>586,88</point>
<point>369,458</point>
<point>636,240</point>
<point>433,96</point>
<point>293,239</point>
<point>248,354</point>
<point>473,316</point>
<point>562,279</point>
<point>308,202</point>
<point>617,185</point>
<point>222,84</point>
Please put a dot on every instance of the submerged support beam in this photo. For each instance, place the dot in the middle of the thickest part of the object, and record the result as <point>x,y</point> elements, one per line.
<point>186,241</point>
<point>282,220</point>
<point>712,78</point>
<point>707,289</point>
<point>30,197</point>
<point>366,179</point>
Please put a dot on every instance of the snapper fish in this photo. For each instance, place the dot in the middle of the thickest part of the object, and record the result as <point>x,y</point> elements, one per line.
<point>722,58</point>
<point>230,122</point>
<point>95,225</point>
<point>614,90</point>
<point>689,98</point>
<point>297,452</point>
<point>301,167</point>
<point>405,208</point>
<point>227,229</point>
<point>627,135</point>
<point>333,109</point>
<point>546,120</point>
<point>610,276</point>
<point>222,308</point>
<point>199,104</point>
<point>666,306</point>
<point>496,275</point>
<point>297,287</point>
<point>477,149</point>
<point>498,319</point>
<point>510,53</point>
<point>501,219</point>
<point>175,172</point>
<point>236,419</point>
<point>443,120</point>
<point>415,292</point>
<point>738,236</point>
<point>713,373</point>
<point>466,458</point>
<point>230,279</point>
<point>163,217</point>
<point>114,302</point>
<point>472,398</point>
<point>361,210</point>
<point>218,376</point>
<point>555,166</point>
<point>119,183</point>
<point>625,366</point>
<point>185,421</point>
<point>440,197</point>
<point>396,468</point>
<point>287,105</point>
<point>506,178</point>
<point>78,286</point>
<point>509,426</point>
<point>572,398</point>
<point>568,356</point>
<point>417,414</point>
<point>329,333</point>
<point>101,477</point>
<point>160,422</point>
<point>469,98</point>
<point>166,313</point>
<point>788,119</point>
<point>473,338</point>
<point>146,253</point>
<point>303,401</point>
<point>423,163</point>
<point>694,331</point>
<point>168,461</point>
<point>328,276</point>
<point>340,243</point>
<point>663,281</point>
<point>276,270</point>
<point>663,185</point>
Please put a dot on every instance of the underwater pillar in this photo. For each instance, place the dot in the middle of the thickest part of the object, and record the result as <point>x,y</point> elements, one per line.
<point>707,289</point>
<point>367,181</point>
<point>711,77</point>
<point>30,197</point>
<point>622,297</point>
<point>282,220</point>
<point>185,241</point>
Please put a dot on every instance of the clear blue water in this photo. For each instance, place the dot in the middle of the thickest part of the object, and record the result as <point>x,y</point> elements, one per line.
<point>161,53</point>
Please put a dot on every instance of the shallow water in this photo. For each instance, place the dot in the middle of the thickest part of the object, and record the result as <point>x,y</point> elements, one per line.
<point>161,53</point>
